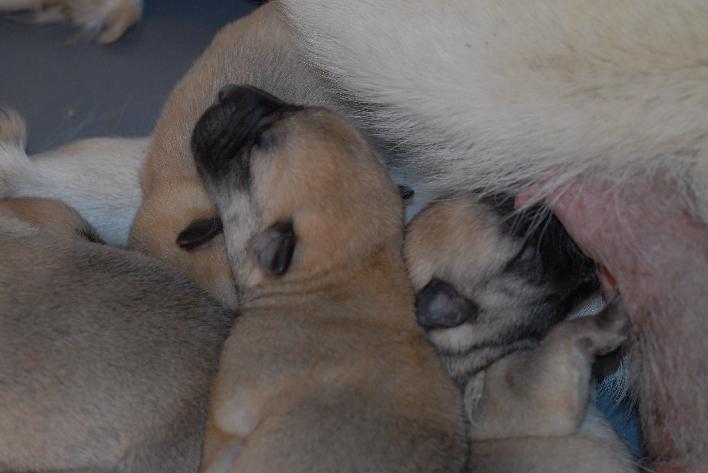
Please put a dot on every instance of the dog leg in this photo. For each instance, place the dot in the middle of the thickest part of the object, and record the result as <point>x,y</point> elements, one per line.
<point>554,378</point>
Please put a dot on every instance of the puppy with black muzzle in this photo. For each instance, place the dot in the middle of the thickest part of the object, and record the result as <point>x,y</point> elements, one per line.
<point>325,369</point>
<point>177,221</point>
<point>489,286</point>
<point>106,356</point>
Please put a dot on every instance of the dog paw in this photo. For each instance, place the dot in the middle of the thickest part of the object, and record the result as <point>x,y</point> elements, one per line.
<point>604,333</point>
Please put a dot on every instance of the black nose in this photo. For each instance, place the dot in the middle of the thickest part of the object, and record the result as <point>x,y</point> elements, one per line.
<point>439,305</point>
<point>228,129</point>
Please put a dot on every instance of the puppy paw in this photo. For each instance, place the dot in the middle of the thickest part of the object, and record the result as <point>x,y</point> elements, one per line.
<point>605,332</point>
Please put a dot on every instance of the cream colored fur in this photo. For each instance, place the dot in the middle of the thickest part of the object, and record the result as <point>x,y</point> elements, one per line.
<point>98,176</point>
<point>502,96</point>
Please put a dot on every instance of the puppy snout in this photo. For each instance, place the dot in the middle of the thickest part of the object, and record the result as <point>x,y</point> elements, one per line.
<point>440,305</point>
<point>229,128</point>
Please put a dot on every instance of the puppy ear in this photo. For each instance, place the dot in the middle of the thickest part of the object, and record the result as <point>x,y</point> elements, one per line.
<point>274,248</point>
<point>439,305</point>
<point>199,232</point>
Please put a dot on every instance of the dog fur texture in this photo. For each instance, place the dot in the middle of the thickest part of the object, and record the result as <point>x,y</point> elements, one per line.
<point>254,50</point>
<point>597,107</point>
<point>488,290</point>
<point>325,369</point>
<point>110,353</point>
<point>106,20</point>
<point>98,176</point>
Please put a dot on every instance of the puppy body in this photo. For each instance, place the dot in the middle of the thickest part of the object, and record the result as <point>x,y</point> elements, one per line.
<point>254,50</point>
<point>97,176</point>
<point>110,353</point>
<point>106,19</point>
<point>530,411</point>
<point>487,291</point>
<point>325,370</point>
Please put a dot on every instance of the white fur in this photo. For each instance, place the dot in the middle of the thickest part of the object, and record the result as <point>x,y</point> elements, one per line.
<point>503,95</point>
<point>98,177</point>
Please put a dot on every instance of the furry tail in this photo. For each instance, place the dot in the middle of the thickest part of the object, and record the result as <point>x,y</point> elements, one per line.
<point>14,163</point>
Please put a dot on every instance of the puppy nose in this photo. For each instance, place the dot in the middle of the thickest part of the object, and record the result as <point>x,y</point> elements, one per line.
<point>440,305</point>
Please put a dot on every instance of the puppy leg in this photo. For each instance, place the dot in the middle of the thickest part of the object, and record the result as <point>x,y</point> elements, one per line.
<point>545,391</point>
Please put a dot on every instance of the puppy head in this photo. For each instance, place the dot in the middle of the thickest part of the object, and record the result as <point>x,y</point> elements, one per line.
<point>51,216</point>
<point>298,189</point>
<point>484,279</point>
<point>179,224</point>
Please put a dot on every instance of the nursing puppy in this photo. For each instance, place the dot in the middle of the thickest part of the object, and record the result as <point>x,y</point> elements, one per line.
<point>598,107</point>
<point>107,20</point>
<point>110,353</point>
<point>326,369</point>
<point>177,221</point>
<point>488,289</point>
<point>97,176</point>
<point>532,410</point>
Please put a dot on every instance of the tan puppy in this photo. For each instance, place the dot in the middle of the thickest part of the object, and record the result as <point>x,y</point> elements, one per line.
<point>108,354</point>
<point>325,369</point>
<point>175,222</point>
<point>532,410</point>
<point>488,288</point>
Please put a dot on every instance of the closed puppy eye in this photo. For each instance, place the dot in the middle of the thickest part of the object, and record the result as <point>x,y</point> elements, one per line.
<point>274,248</point>
<point>440,305</point>
<point>199,232</point>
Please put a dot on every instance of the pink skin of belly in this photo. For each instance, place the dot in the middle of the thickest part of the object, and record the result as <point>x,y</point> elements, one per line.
<point>656,254</point>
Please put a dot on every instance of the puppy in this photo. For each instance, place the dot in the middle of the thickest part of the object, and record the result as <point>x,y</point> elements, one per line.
<point>325,369</point>
<point>598,107</point>
<point>107,20</point>
<point>98,176</point>
<point>488,288</point>
<point>177,221</point>
<point>505,279</point>
<point>530,410</point>
<point>110,353</point>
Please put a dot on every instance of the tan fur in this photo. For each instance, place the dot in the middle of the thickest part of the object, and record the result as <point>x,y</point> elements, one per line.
<point>109,354</point>
<point>528,404</point>
<point>253,50</point>
<point>51,216</point>
<point>325,369</point>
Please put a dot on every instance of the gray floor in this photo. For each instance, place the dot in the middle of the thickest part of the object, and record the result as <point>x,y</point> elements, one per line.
<point>73,91</point>
<point>67,92</point>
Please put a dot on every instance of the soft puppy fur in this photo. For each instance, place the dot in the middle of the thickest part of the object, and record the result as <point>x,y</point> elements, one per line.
<point>325,369</point>
<point>98,177</point>
<point>110,353</point>
<point>489,280</point>
<point>532,410</point>
<point>176,221</point>
<point>488,290</point>
<point>107,20</point>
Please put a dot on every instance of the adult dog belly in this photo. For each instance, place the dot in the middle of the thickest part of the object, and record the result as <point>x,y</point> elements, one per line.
<point>658,253</point>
